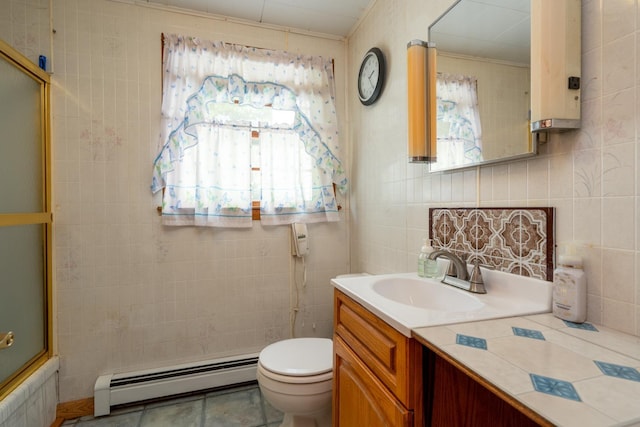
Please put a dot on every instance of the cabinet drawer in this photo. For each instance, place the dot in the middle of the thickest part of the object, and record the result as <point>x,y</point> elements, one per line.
<point>395,359</point>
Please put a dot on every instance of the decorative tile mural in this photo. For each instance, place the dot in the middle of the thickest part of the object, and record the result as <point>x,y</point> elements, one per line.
<point>514,240</point>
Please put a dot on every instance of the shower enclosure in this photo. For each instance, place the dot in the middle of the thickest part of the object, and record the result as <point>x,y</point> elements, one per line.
<point>25,219</point>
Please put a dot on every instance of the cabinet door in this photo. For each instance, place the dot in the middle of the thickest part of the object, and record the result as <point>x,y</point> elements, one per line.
<point>458,400</point>
<point>359,398</point>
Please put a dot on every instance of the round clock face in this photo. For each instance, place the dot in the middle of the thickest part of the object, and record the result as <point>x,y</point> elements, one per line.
<point>371,76</point>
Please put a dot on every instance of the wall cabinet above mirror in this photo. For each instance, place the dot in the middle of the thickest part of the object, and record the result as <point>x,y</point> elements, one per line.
<point>485,77</point>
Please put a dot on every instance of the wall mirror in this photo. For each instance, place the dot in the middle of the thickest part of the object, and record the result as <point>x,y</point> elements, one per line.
<point>483,83</point>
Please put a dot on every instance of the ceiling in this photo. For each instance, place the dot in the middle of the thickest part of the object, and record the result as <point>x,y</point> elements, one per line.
<point>335,17</point>
<point>497,29</point>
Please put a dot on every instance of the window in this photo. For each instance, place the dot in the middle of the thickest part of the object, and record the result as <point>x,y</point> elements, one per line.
<point>458,117</point>
<point>244,126</point>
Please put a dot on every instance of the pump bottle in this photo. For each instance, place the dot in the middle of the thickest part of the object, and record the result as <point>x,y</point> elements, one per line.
<point>570,289</point>
<point>427,267</point>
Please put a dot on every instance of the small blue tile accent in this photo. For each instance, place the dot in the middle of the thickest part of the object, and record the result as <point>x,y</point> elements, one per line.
<point>528,333</point>
<point>555,387</point>
<point>584,326</point>
<point>618,371</point>
<point>474,342</point>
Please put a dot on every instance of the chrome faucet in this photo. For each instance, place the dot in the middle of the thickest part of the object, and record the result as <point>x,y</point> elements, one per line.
<point>459,265</point>
<point>462,280</point>
<point>476,284</point>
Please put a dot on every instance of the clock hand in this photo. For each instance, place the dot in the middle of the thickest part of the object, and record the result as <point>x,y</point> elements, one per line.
<point>369,78</point>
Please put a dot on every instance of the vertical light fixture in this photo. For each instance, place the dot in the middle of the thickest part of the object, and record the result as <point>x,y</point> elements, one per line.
<point>421,86</point>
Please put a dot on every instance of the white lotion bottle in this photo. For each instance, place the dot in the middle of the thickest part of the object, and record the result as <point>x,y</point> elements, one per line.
<point>570,289</point>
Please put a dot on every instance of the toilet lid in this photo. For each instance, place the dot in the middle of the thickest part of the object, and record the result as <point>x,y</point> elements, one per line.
<point>298,356</point>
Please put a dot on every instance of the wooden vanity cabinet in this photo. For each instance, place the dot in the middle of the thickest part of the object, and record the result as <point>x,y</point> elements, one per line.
<point>377,370</point>
<point>384,379</point>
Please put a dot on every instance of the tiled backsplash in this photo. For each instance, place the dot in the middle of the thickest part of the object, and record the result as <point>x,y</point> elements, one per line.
<point>514,240</point>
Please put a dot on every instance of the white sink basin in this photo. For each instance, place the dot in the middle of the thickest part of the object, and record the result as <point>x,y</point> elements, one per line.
<point>426,294</point>
<point>406,301</point>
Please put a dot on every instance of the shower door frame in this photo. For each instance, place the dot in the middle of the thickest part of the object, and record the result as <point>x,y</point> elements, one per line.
<point>43,218</point>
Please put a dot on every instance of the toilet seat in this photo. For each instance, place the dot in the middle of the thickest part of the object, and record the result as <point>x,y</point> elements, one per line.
<point>298,357</point>
<point>288,380</point>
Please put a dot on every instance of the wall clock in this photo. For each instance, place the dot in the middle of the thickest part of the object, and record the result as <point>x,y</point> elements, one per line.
<point>371,76</point>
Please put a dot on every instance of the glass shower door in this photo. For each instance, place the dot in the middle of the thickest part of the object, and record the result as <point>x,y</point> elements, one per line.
<point>25,219</point>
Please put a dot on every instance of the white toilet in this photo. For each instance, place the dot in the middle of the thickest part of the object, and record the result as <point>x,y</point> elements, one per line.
<point>295,377</point>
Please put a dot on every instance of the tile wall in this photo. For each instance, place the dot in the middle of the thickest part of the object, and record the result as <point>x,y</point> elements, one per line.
<point>133,294</point>
<point>25,26</point>
<point>130,293</point>
<point>591,177</point>
<point>33,403</point>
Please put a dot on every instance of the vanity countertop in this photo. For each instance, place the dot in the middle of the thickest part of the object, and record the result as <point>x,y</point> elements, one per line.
<point>571,374</point>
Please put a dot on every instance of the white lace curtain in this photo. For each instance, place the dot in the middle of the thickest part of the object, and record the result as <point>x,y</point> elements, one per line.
<point>204,163</point>
<point>458,117</point>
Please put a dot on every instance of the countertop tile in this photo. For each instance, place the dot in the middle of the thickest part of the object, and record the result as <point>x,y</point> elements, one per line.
<point>510,361</point>
<point>440,335</point>
<point>563,412</point>
<point>555,387</point>
<point>528,333</point>
<point>617,341</point>
<point>547,320</point>
<point>618,371</point>
<point>494,328</point>
<point>498,371</point>
<point>611,396</point>
<point>544,358</point>
<point>588,349</point>
<point>469,341</point>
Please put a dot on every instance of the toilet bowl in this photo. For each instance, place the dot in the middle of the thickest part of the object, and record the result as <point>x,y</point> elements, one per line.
<point>295,376</point>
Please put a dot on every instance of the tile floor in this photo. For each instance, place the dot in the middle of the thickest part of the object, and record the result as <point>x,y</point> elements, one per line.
<point>241,406</point>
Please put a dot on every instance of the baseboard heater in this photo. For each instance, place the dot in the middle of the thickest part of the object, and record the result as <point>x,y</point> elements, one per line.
<point>117,389</point>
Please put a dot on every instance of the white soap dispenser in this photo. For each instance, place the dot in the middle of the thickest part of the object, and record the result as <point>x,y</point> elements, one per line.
<point>570,289</point>
<point>427,267</point>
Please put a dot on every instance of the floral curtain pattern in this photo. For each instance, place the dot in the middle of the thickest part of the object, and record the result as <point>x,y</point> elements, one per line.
<point>204,164</point>
<point>458,117</point>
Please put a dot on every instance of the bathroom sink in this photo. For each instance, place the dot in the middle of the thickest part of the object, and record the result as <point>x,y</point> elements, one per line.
<point>406,301</point>
<point>426,294</point>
